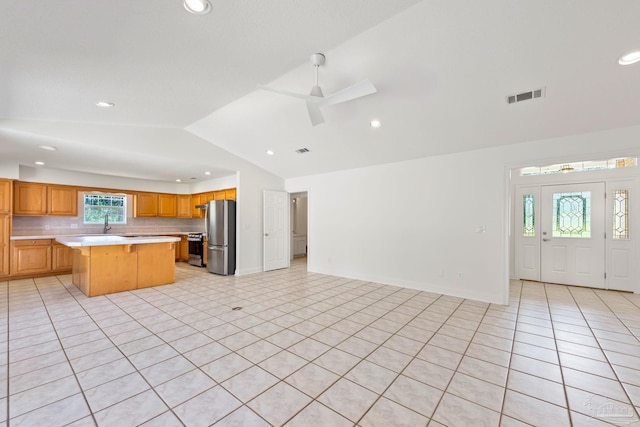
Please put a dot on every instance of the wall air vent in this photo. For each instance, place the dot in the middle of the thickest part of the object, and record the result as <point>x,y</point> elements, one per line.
<point>302,150</point>
<point>525,96</point>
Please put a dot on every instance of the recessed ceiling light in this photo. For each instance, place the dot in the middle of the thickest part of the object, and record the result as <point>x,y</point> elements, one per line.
<point>629,58</point>
<point>207,173</point>
<point>178,180</point>
<point>270,152</point>
<point>376,123</point>
<point>197,7</point>
<point>48,147</point>
<point>105,104</point>
<point>39,163</point>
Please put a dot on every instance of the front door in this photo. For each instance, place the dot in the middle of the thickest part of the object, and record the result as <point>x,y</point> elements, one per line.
<point>276,230</point>
<point>573,236</point>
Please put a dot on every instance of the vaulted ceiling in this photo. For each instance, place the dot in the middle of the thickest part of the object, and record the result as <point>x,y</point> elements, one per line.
<point>184,86</point>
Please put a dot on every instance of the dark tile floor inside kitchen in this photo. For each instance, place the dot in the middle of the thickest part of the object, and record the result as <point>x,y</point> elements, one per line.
<point>304,349</point>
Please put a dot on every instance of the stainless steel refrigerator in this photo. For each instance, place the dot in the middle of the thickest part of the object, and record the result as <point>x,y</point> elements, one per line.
<point>221,237</point>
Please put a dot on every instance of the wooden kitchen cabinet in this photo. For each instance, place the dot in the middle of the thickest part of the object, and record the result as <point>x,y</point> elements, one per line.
<point>195,201</point>
<point>31,256</point>
<point>5,196</point>
<point>167,205</point>
<point>145,204</point>
<point>184,248</point>
<point>184,206</point>
<point>62,200</point>
<point>29,198</point>
<point>33,198</point>
<point>5,223</point>
<point>62,257</point>
<point>230,194</point>
<point>205,252</point>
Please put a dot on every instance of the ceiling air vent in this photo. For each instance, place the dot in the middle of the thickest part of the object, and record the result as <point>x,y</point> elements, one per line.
<point>525,96</point>
<point>302,150</point>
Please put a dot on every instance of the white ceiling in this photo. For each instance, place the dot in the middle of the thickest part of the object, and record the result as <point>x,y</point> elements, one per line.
<point>185,85</point>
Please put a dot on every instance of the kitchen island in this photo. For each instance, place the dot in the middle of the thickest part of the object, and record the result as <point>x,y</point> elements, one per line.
<point>105,264</point>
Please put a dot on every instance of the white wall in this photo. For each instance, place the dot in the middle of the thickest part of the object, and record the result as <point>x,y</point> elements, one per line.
<point>63,177</point>
<point>249,211</point>
<point>415,223</point>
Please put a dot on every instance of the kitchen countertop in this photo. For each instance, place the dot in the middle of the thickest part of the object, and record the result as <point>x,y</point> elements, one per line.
<point>106,240</point>
<point>56,236</point>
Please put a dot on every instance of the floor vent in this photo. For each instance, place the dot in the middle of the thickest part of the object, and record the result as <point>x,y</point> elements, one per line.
<point>525,96</point>
<point>302,150</point>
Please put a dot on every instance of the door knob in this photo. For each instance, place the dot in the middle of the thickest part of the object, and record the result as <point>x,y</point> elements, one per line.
<point>545,240</point>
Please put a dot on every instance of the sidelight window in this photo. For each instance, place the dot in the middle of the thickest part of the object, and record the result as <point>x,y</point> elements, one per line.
<point>97,206</point>
<point>529,223</point>
<point>621,214</point>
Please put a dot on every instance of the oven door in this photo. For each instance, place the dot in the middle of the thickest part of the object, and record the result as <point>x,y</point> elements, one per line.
<point>195,247</point>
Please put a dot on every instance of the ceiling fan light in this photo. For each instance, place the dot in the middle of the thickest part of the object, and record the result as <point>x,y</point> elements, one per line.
<point>197,7</point>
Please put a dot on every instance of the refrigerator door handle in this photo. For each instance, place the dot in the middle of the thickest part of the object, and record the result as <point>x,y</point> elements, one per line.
<point>206,224</point>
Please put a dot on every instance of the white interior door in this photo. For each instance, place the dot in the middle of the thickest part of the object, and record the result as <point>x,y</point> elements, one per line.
<point>573,236</point>
<point>276,238</point>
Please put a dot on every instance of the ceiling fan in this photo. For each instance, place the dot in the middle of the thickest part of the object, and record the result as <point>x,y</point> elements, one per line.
<point>316,98</point>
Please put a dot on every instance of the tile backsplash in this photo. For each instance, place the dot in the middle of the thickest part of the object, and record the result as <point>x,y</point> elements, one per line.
<point>64,225</point>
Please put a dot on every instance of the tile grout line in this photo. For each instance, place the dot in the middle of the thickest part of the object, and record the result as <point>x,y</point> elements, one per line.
<point>631,402</point>
<point>118,349</point>
<point>513,343</point>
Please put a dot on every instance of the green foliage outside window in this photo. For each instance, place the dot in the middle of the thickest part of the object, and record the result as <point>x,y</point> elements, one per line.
<point>97,206</point>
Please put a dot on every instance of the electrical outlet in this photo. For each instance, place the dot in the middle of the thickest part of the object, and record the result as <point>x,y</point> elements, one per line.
<point>460,275</point>
<point>47,227</point>
<point>74,226</point>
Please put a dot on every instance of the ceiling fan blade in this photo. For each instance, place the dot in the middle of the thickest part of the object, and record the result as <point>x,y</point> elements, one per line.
<point>358,90</point>
<point>314,113</point>
<point>287,93</point>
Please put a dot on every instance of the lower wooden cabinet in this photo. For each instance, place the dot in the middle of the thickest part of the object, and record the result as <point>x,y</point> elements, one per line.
<point>62,257</point>
<point>31,256</point>
<point>184,248</point>
<point>5,221</point>
<point>39,256</point>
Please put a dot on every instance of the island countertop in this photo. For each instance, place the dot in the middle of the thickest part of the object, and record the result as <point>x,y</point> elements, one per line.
<point>106,240</point>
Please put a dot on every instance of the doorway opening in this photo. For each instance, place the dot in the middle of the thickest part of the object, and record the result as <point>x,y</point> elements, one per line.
<point>299,227</point>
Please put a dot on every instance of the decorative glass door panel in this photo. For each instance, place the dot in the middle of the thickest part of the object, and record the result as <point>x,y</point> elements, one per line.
<point>572,214</point>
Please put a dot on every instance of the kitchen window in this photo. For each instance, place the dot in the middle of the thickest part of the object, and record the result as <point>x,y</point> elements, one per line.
<point>98,205</point>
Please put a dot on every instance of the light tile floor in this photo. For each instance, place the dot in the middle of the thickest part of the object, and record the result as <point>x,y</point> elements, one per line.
<point>303,349</point>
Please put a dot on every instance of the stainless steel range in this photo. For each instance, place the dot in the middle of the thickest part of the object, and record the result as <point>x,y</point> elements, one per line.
<point>196,249</point>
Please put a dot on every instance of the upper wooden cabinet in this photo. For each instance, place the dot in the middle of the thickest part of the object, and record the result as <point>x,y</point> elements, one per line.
<point>62,200</point>
<point>167,205</point>
<point>5,196</point>
<point>230,194</point>
<point>29,198</point>
<point>195,201</point>
<point>145,204</point>
<point>32,198</point>
<point>184,206</point>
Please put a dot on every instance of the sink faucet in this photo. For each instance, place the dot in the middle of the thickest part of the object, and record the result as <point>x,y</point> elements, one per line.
<point>106,223</point>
